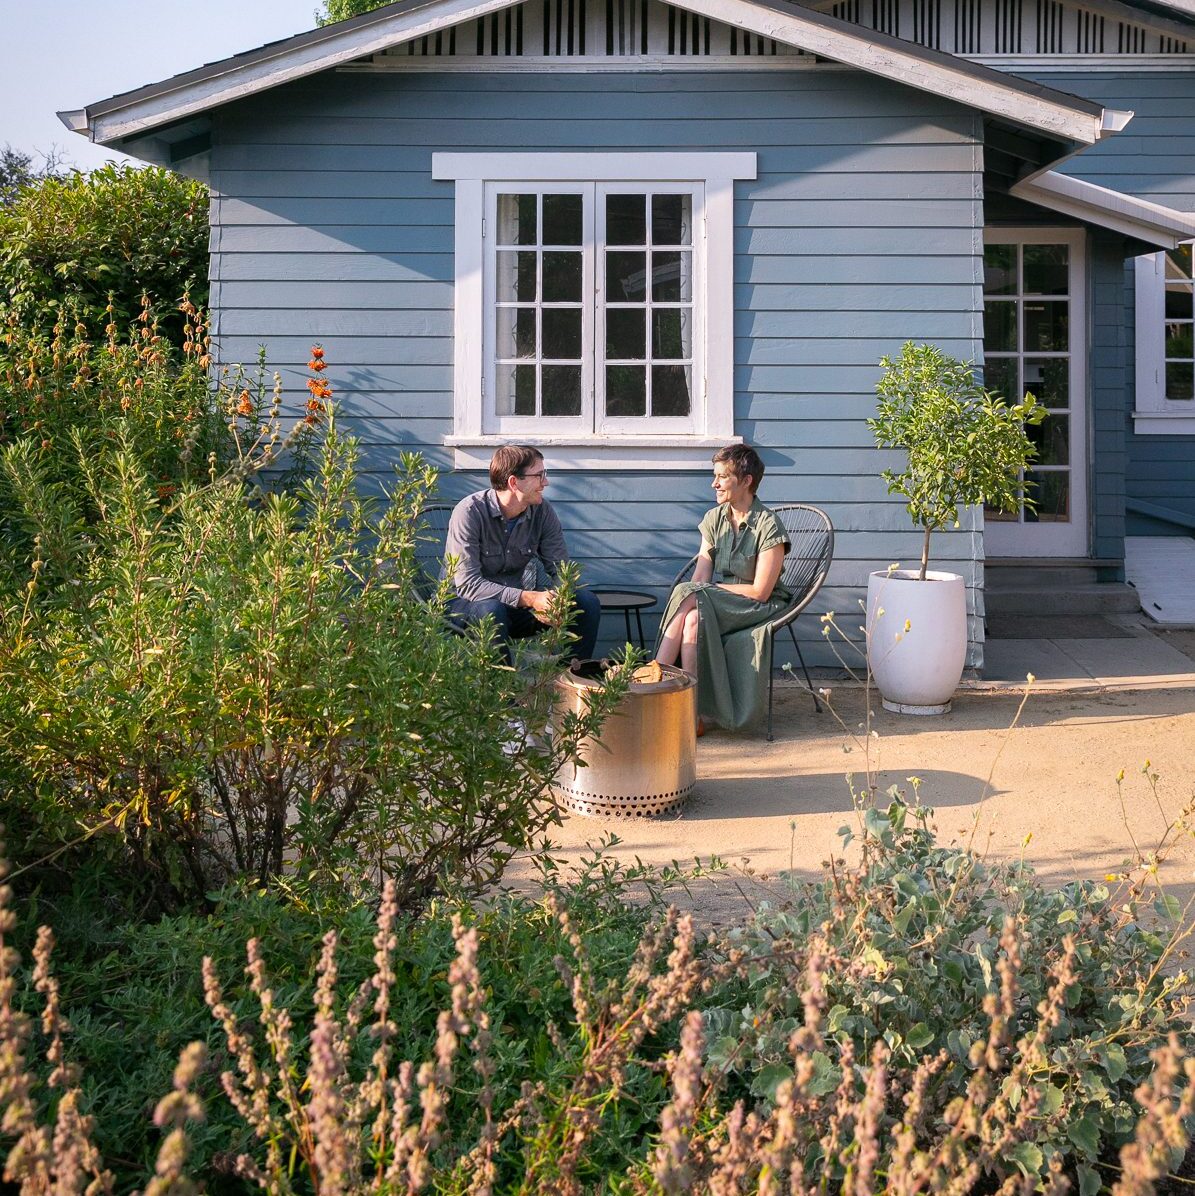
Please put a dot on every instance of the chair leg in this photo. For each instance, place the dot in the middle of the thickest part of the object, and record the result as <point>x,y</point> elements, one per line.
<point>771,662</point>
<point>808,681</point>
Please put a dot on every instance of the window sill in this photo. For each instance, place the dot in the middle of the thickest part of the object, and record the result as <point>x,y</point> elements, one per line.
<point>1164,423</point>
<point>598,452</point>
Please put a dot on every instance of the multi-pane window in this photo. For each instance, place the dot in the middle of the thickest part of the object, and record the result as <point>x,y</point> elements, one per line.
<point>1026,342</point>
<point>1165,374</point>
<point>593,299</point>
<point>1179,306</point>
<point>594,314</point>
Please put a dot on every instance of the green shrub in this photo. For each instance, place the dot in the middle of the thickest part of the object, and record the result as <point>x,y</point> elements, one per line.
<point>119,231</point>
<point>249,682</point>
<point>65,400</point>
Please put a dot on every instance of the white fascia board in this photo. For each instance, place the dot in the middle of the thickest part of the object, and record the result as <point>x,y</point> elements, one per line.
<point>626,167</point>
<point>1149,222</point>
<point>802,28</point>
<point>287,65</point>
<point>813,32</point>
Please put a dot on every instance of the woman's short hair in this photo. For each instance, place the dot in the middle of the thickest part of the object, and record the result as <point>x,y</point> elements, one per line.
<point>511,459</point>
<point>743,461</point>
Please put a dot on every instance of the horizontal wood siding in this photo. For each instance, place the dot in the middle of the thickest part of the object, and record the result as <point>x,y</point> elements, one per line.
<point>861,231</point>
<point>1153,158</point>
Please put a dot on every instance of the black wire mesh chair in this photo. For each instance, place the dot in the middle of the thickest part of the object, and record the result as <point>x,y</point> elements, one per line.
<point>806,564</point>
<point>431,534</point>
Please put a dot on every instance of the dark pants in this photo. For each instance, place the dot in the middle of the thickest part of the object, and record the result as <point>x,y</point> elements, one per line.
<point>515,623</point>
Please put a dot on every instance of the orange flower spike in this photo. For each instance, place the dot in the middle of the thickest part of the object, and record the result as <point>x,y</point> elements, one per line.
<point>245,405</point>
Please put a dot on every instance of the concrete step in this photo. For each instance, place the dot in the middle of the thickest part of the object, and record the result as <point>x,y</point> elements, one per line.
<point>1106,598</point>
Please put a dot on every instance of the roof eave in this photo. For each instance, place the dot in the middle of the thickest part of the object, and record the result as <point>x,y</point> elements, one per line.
<point>137,113</point>
<point>1139,218</point>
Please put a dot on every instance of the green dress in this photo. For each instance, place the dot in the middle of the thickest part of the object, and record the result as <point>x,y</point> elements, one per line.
<point>732,646</point>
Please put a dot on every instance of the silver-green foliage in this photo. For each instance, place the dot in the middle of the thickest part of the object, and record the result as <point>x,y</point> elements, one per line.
<point>965,445</point>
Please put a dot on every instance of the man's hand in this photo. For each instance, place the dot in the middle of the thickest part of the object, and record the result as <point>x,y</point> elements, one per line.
<point>538,602</point>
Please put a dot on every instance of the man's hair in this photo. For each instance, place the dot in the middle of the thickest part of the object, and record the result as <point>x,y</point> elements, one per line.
<point>743,461</point>
<point>511,458</point>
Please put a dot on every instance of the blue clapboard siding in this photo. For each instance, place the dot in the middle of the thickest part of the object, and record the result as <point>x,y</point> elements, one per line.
<point>861,231</point>
<point>1153,158</point>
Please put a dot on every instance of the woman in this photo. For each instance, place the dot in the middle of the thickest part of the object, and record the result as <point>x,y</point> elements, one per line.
<point>715,623</point>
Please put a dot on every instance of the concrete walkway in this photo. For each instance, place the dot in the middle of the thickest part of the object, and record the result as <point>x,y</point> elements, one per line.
<point>1042,782</point>
<point>1140,658</point>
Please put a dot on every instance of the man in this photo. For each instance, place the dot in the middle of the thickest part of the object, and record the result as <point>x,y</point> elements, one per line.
<point>495,534</point>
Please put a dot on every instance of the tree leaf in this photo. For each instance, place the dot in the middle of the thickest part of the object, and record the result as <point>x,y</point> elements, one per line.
<point>1114,1061</point>
<point>1027,1157</point>
<point>769,1078</point>
<point>919,1037</point>
<point>1085,1134</point>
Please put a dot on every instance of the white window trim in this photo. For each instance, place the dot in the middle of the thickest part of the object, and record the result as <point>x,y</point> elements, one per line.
<point>717,172</point>
<point>1153,413</point>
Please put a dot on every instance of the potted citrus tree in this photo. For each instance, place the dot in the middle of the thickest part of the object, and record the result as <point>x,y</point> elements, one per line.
<point>964,446</point>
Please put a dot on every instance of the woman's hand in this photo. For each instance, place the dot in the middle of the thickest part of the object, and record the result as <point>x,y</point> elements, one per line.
<point>767,572</point>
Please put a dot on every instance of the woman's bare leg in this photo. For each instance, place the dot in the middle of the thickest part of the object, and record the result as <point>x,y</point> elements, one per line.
<point>671,641</point>
<point>688,642</point>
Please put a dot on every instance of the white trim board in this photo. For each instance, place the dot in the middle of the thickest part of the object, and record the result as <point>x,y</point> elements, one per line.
<point>1162,568</point>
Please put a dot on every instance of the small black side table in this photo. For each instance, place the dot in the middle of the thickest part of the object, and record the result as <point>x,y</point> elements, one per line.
<point>627,601</point>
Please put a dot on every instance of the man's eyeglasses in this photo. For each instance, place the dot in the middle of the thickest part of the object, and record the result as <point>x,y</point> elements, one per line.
<point>543,473</point>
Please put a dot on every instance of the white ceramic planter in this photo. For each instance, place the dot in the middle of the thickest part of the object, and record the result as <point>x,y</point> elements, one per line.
<point>916,638</point>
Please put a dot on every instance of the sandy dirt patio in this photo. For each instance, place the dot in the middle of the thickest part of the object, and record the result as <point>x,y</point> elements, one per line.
<point>767,807</point>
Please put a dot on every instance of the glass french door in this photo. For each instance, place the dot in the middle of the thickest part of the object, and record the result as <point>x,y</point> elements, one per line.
<point>1034,339</point>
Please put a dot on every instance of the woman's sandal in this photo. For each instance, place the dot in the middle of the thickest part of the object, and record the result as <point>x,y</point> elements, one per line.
<point>700,727</point>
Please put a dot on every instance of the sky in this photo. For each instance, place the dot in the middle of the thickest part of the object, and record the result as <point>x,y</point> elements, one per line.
<point>66,54</point>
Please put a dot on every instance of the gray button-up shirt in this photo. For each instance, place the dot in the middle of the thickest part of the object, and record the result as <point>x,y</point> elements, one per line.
<point>492,552</point>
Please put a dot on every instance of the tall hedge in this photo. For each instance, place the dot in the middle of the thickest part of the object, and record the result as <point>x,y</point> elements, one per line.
<point>118,230</point>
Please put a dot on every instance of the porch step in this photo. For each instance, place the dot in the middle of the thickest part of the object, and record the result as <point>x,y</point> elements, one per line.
<point>1055,587</point>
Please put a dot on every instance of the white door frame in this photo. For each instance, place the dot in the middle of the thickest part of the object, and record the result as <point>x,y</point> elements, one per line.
<point>1070,539</point>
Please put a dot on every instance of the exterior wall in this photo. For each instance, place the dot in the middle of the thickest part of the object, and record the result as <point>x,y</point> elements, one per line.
<point>861,231</point>
<point>1154,158</point>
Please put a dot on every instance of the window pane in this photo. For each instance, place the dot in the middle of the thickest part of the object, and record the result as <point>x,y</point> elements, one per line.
<point>626,219</point>
<point>991,515</point>
<point>516,220</point>
<point>1178,301</point>
<point>1045,270</point>
<point>1178,340</point>
<point>672,276</point>
<point>1000,269</point>
<point>626,333</point>
<point>516,332</point>
<point>1180,380</point>
<point>671,219</point>
<point>1051,493</point>
<point>562,220</point>
<point>1052,438</point>
<point>626,276</point>
<point>1000,375</point>
<point>516,275</point>
<point>626,390</point>
<point>1000,327</point>
<point>562,332</point>
<point>670,390</point>
<point>1048,381</point>
<point>562,277</point>
<point>1178,262</point>
<point>670,332</point>
<point>515,385</point>
<point>562,389</point>
<point>1046,325</point>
